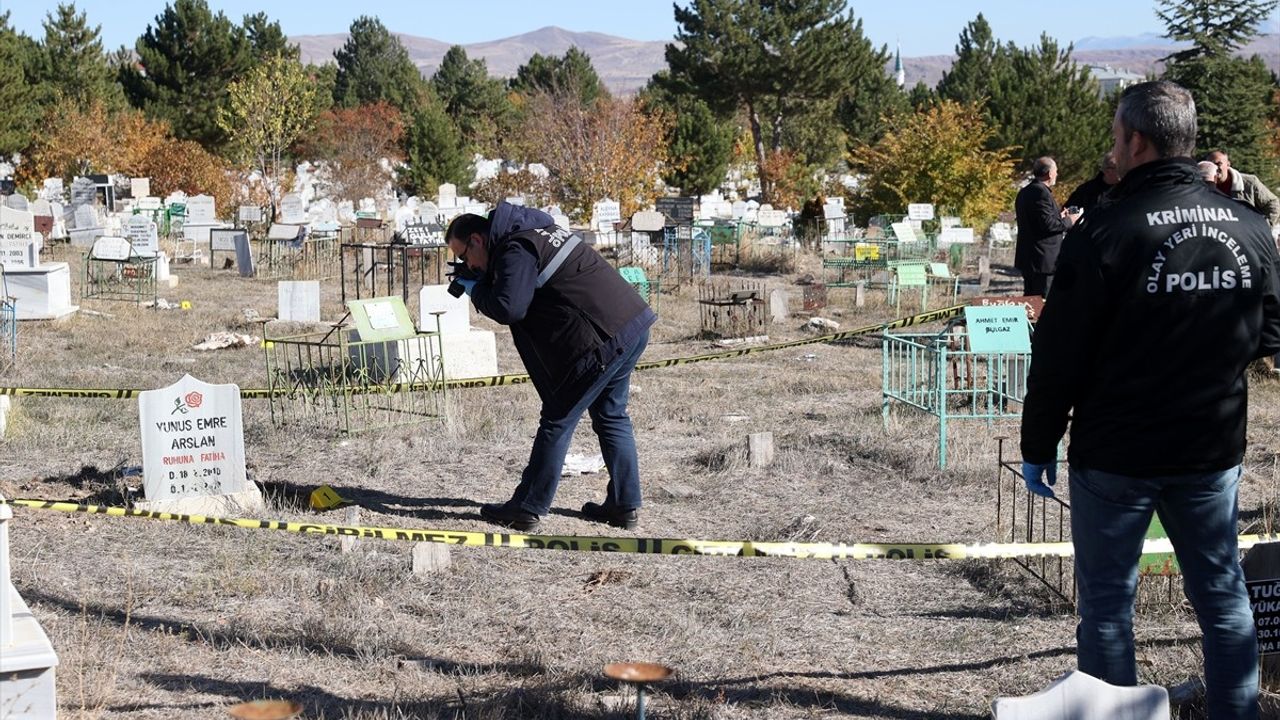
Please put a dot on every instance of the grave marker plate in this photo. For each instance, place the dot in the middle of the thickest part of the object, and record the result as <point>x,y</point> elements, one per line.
<point>904,232</point>
<point>997,329</point>
<point>19,247</point>
<point>225,238</point>
<point>250,214</point>
<point>648,221</point>
<point>421,234</point>
<point>956,236</point>
<point>866,252</point>
<point>771,218</point>
<point>83,191</point>
<point>149,203</point>
<point>111,248</point>
<point>139,187</point>
<point>920,211</point>
<point>1001,232</point>
<point>192,440</point>
<point>1264,596</point>
<point>381,319</point>
<point>604,214</point>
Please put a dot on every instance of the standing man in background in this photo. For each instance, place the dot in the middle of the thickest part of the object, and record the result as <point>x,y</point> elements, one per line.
<point>1164,295</point>
<point>1041,224</point>
<point>1245,188</point>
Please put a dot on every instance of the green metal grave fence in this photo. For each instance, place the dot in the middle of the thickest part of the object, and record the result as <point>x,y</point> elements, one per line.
<point>336,381</point>
<point>132,280</point>
<point>938,374</point>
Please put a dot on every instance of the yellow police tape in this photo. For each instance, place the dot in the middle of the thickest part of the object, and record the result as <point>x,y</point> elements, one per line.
<point>648,546</point>
<point>518,378</point>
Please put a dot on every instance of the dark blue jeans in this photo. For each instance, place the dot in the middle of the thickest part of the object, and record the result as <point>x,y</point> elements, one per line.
<point>606,402</point>
<point>1109,519</point>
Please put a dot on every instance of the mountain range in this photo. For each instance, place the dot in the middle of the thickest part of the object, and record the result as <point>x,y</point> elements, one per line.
<point>625,65</point>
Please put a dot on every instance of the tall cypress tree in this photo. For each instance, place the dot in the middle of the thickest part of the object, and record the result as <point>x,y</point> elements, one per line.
<point>373,65</point>
<point>476,101</point>
<point>978,57</point>
<point>435,151</point>
<point>187,59</point>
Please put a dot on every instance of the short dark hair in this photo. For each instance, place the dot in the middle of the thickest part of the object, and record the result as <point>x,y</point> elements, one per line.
<point>464,225</point>
<point>1164,112</point>
<point>1040,169</point>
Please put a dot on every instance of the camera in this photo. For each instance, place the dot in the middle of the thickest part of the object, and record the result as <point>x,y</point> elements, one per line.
<point>459,271</point>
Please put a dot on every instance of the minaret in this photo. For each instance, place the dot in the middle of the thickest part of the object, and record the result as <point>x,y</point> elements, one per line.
<point>899,74</point>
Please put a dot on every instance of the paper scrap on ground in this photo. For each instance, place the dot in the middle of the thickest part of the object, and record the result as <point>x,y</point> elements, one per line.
<point>221,340</point>
<point>575,464</point>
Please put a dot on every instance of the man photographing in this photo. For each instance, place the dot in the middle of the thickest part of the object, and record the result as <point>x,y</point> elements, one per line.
<point>1164,293</point>
<point>579,329</point>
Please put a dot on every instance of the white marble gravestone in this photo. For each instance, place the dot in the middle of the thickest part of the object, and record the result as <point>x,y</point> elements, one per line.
<point>292,211</point>
<point>604,214</point>
<point>468,352</point>
<point>447,195</point>
<point>19,242</point>
<point>87,226</point>
<point>193,450</point>
<point>18,201</point>
<point>142,234</point>
<point>139,187</point>
<point>299,301</point>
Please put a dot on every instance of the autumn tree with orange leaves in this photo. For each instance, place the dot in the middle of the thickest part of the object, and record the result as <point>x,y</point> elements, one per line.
<point>352,144</point>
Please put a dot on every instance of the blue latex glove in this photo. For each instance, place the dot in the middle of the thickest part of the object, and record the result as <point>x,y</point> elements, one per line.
<point>467,285</point>
<point>1035,475</point>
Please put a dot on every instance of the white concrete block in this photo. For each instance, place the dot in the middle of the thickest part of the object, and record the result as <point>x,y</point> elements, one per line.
<point>244,502</point>
<point>470,354</point>
<point>27,662</point>
<point>42,292</point>
<point>1078,695</point>
<point>457,311</point>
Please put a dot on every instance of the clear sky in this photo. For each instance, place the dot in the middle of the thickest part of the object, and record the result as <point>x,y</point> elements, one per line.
<point>923,27</point>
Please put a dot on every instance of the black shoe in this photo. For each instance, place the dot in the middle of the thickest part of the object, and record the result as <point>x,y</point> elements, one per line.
<point>509,515</point>
<point>611,515</point>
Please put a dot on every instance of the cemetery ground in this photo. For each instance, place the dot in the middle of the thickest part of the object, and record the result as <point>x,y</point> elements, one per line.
<point>164,620</point>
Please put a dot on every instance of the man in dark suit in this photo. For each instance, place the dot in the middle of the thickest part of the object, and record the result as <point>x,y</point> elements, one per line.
<point>1041,225</point>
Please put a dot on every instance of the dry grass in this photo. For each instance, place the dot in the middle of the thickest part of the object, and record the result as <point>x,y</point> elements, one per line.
<point>158,620</point>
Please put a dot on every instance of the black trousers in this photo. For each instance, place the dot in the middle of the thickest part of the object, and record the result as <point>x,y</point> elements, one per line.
<point>1034,283</point>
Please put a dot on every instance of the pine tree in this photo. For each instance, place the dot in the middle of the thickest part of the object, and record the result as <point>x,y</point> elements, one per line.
<point>434,149</point>
<point>373,65</point>
<point>267,39</point>
<point>187,59</point>
<point>72,62</point>
<point>699,147</point>
<point>978,57</point>
<point>774,60</point>
<point>872,96</point>
<point>19,94</point>
<point>1215,28</point>
<point>570,75</point>
<point>1045,104</point>
<point>477,102</point>
<point>1233,95</point>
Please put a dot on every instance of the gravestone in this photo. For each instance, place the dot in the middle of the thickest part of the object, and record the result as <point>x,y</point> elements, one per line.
<point>738,210</point>
<point>1001,232</point>
<point>680,209</point>
<point>904,232</point>
<point>292,210</point>
<point>52,189</point>
<point>779,301</point>
<point>368,207</point>
<point>429,212</point>
<point>193,450</point>
<point>142,234</point>
<point>139,187</point>
<point>19,242</point>
<point>475,208</point>
<point>249,214</point>
<point>604,214</point>
<point>18,201</point>
<point>771,218</point>
<point>83,192</point>
<point>201,210</point>
<point>468,352</point>
<point>1076,696</point>
<point>347,212</point>
<point>648,221</point>
<point>950,221</point>
<point>447,195</point>
<point>42,208</point>
<point>150,204</point>
<point>299,301</point>
<point>955,236</point>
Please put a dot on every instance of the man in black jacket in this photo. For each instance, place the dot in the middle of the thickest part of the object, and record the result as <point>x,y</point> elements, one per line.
<point>579,329</point>
<point>1041,224</point>
<point>1164,294</point>
<point>1087,194</point>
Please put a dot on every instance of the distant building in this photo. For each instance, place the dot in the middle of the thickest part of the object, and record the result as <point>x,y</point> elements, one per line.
<point>1112,80</point>
<point>899,74</point>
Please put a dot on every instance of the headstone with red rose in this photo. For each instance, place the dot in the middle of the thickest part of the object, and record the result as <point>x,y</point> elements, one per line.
<point>192,443</point>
